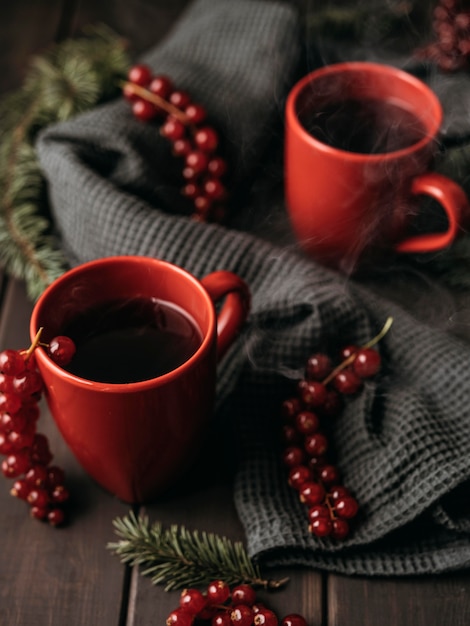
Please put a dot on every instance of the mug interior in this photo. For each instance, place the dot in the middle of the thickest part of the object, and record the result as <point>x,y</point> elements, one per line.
<point>94,284</point>
<point>362,82</point>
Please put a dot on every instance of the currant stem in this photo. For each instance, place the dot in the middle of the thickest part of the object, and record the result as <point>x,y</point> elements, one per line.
<point>158,101</point>
<point>369,344</point>
<point>34,345</point>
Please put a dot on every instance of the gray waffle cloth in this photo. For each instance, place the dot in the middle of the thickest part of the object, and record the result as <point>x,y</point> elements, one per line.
<point>403,444</point>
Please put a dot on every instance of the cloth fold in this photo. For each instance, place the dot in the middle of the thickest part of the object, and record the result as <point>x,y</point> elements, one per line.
<point>403,444</point>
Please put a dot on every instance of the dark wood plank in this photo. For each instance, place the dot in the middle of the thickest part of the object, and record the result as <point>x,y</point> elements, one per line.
<point>203,501</point>
<point>443,601</point>
<point>26,27</point>
<point>48,575</point>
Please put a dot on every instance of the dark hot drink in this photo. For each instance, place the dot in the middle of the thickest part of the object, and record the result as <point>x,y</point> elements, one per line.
<point>363,126</point>
<point>130,341</point>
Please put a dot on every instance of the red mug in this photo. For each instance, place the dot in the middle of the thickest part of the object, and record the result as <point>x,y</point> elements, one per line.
<point>136,438</point>
<point>348,197</point>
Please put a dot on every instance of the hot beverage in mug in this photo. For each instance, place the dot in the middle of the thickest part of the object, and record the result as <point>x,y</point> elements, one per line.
<point>364,126</point>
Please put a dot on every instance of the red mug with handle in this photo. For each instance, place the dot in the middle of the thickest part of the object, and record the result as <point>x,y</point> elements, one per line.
<point>136,438</point>
<point>348,200</point>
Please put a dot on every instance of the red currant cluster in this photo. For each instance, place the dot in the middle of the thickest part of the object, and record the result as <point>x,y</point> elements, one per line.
<point>451,28</point>
<point>183,123</point>
<point>306,452</point>
<point>27,454</point>
<point>222,606</point>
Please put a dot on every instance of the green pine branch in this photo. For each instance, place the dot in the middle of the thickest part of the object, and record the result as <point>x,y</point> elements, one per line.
<point>178,558</point>
<point>71,77</point>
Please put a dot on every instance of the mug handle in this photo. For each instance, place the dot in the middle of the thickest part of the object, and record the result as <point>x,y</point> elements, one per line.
<point>235,309</point>
<point>452,199</point>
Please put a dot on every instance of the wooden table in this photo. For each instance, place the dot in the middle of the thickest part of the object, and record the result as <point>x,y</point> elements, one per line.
<point>51,577</point>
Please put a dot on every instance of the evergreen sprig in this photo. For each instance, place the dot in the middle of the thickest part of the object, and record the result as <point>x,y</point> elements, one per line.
<point>179,558</point>
<point>69,78</point>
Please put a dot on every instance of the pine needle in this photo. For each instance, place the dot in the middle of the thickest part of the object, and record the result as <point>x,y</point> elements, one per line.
<point>70,78</point>
<point>178,558</point>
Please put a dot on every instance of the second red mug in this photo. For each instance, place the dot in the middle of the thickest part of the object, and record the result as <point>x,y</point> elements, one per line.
<point>359,143</point>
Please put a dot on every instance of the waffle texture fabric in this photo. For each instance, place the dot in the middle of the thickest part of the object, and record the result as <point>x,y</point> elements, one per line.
<point>403,444</point>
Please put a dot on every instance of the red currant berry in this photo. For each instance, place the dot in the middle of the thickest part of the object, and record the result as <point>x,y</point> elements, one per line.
<point>346,507</point>
<point>59,494</point>
<point>197,161</point>
<point>347,382</point>
<point>221,619</point>
<point>191,191</point>
<point>36,476</point>
<point>290,408</point>
<point>243,594</point>
<point>22,440</point>
<point>318,367</point>
<point>329,474</point>
<point>217,167</point>
<point>192,601</point>
<point>5,445</point>
<point>61,350</point>
<point>179,99</point>
<point>241,615</point>
<point>312,392</point>
<point>321,527</point>
<point>38,512</point>
<point>143,110</point>
<point>173,129</point>
<point>307,422</point>
<point>257,607</point>
<point>11,362</point>
<point>16,464</point>
<point>333,404</point>
<point>214,189</point>
<point>179,617</point>
<point>367,363</point>
<point>294,619</point>
<point>316,444</point>
<point>140,75</point>
<point>299,475</point>
<point>265,617</point>
<point>340,529</point>
<point>290,435</point>
<point>56,517</point>
<point>38,497</point>
<point>338,491</point>
<point>181,147</point>
<point>316,463</point>
<point>312,493</point>
<point>20,489</point>
<point>40,452</point>
<point>348,351</point>
<point>202,204</point>
<point>161,86</point>
<point>206,139</point>
<point>293,456</point>
<point>217,592</point>
<point>10,402</point>
<point>318,511</point>
<point>16,421</point>
<point>27,383</point>
<point>195,113</point>
<point>55,476</point>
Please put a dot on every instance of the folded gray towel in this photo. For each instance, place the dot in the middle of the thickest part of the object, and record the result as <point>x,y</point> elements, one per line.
<point>403,444</point>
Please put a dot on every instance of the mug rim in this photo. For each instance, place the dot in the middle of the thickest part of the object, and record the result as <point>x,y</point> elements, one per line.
<point>294,123</point>
<point>131,387</point>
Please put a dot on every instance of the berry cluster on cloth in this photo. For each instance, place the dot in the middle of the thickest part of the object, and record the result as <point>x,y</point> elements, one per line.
<point>402,444</point>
